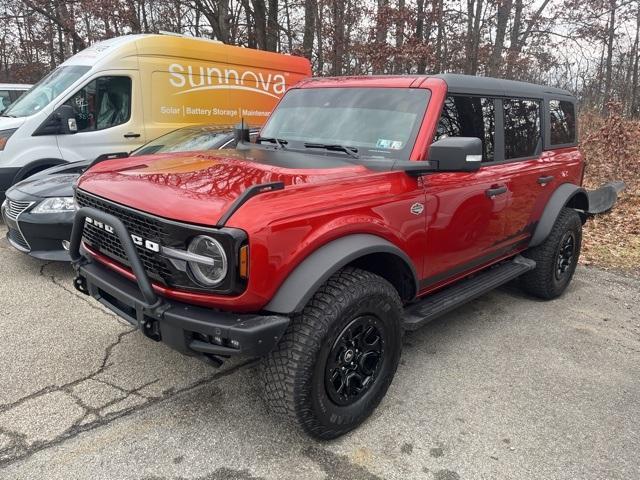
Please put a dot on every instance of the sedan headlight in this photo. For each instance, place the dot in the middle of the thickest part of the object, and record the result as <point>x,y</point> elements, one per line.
<point>4,136</point>
<point>211,268</point>
<point>56,205</point>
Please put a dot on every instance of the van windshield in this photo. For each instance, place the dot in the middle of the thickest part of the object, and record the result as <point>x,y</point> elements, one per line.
<point>374,122</point>
<point>45,91</point>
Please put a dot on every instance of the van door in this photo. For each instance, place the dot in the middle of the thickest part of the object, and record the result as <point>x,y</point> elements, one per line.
<point>109,116</point>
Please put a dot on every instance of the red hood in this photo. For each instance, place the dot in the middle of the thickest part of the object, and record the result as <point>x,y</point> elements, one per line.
<point>195,187</point>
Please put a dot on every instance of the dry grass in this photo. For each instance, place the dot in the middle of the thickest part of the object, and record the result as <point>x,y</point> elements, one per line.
<point>612,149</point>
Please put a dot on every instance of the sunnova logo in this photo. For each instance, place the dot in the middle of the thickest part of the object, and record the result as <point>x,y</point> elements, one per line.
<point>195,79</point>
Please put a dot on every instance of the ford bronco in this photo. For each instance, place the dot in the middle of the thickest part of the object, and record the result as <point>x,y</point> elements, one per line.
<point>368,206</point>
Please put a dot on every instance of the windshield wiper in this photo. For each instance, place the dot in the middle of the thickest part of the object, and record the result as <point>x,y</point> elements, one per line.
<point>351,151</point>
<point>278,141</point>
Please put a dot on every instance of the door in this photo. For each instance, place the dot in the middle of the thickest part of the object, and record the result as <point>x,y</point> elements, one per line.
<point>466,210</point>
<point>108,114</point>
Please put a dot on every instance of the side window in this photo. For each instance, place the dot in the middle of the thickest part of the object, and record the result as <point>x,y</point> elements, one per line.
<point>103,103</point>
<point>469,117</point>
<point>562,122</point>
<point>522,135</point>
<point>5,99</point>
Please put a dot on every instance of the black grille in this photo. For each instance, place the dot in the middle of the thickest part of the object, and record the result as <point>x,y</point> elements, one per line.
<point>16,237</point>
<point>138,224</point>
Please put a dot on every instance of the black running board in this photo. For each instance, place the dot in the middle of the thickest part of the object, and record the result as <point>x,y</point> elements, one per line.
<point>439,303</point>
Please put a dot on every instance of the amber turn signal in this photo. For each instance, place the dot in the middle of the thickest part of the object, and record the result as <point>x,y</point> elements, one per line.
<point>244,261</point>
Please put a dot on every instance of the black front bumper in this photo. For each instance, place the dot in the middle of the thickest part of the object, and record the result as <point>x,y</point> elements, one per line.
<point>189,329</point>
<point>40,235</point>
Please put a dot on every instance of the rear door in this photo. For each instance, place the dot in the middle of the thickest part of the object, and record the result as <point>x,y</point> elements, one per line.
<point>466,210</point>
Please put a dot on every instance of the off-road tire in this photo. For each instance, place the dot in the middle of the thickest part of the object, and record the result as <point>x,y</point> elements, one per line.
<point>293,375</point>
<point>543,282</point>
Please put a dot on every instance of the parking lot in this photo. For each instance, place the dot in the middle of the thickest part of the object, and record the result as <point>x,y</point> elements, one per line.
<point>506,387</point>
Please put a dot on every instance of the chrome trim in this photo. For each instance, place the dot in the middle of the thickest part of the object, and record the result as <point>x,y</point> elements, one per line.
<point>17,209</point>
<point>14,209</point>
<point>174,253</point>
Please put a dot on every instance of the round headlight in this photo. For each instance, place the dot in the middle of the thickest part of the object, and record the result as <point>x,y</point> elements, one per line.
<point>212,268</point>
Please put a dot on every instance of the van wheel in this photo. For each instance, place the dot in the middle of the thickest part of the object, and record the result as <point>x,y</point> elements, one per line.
<point>338,357</point>
<point>556,258</point>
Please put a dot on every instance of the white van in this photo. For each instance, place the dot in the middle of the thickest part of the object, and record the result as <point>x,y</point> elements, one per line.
<point>10,92</point>
<point>118,94</point>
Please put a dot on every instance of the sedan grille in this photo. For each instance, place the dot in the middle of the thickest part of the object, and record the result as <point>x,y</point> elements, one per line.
<point>18,241</point>
<point>14,209</point>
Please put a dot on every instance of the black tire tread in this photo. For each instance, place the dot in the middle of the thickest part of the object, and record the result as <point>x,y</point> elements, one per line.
<point>537,282</point>
<point>286,370</point>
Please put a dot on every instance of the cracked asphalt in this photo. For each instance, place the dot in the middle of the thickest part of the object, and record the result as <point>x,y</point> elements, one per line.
<point>505,387</point>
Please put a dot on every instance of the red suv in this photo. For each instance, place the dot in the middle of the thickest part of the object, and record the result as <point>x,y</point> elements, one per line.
<point>368,206</point>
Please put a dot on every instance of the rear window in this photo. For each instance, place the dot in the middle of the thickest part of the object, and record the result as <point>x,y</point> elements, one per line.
<point>522,134</point>
<point>562,122</point>
<point>469,117</point>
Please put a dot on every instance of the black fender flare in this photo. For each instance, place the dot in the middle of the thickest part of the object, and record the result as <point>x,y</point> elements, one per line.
<point>565,194</point>
<point>314,270</point>
<point>35,166</point>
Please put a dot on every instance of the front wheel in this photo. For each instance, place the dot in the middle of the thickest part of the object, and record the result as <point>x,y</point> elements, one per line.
<point>337,359</point>
<point>556,258</point>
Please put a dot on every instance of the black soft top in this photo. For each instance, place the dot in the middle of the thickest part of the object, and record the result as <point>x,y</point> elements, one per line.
<point>472,85</point>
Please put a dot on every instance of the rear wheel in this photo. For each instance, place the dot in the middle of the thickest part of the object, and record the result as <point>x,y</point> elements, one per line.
<point>556,258</point>
<point>338,357</point>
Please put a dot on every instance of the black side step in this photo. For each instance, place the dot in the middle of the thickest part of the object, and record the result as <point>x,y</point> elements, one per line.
<point>439,303</point>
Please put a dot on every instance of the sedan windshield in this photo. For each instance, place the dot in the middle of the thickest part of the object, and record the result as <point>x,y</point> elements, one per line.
<point>376,122</point>
<point>45,91</point>
<point>187,140</point>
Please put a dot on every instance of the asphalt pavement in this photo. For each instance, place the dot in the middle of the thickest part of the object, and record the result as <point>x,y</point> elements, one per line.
<point>506,387</point>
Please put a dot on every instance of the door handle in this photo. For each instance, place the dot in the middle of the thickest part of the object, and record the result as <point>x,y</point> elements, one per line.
<point>495,191</point>
<point>544,180</point>
<point>131,135</point>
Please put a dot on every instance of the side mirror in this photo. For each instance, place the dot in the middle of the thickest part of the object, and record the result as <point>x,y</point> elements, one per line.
<point>457,154</point>
<point>67,117</point>
<point>61,122</point>
<point>241,132</point>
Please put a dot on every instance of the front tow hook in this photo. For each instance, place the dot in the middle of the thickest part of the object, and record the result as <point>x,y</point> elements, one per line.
<point>80,284</point>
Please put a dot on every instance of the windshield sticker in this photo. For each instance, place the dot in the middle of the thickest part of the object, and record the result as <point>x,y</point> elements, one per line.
<point>389,144</point>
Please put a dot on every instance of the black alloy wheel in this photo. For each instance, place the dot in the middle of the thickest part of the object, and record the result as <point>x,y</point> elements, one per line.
<point>354,360</point>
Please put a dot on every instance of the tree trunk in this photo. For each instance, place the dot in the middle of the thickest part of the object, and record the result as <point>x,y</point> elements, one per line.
<point>611,29</point>
<point>504,12</point>
<point>398,61</point>
<point>514,38</point>
<point>260,22</point>
<point>338,37</point>
<point>272,26</point>
<point>310,8</point>
<point>635,60</point>
<point>382,29</point>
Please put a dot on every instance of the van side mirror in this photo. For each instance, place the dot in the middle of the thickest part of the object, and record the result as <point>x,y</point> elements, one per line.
<point>61,122</point>
<point>67,117</point>
<point>456,154</point>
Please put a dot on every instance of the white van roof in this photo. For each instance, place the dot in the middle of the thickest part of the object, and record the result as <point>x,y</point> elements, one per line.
<point>15,86</point>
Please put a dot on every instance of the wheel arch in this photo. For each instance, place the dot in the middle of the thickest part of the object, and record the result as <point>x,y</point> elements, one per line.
<point>365,251</point>
<point>566,195</point>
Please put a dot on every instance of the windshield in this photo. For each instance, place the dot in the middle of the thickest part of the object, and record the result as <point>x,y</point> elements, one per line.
<point>377,122</point>
<point>45,91</point>
<point>186,140</point>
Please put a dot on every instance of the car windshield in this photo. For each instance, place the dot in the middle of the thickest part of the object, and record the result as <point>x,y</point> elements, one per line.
<point>186,140</point>
<point>375,122</point>
<point>45,91</point>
